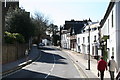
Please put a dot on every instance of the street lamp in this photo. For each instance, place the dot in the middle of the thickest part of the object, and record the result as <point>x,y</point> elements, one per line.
<point>89,47</point>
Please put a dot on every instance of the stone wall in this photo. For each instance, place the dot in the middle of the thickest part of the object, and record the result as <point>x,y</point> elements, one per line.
<point>13,52</point>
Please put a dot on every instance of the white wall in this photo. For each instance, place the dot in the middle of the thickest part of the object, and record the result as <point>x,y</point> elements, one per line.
<point>84,46</point>
<point>107,29</point>
<point>81,43</point>
<point>113,32</point>
<point>65,40</point>
<point>68,41</point>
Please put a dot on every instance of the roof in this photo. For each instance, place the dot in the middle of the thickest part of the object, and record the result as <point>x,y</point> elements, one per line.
<point>70,24</point>
<point>77,29</point>
<point>74,27</point>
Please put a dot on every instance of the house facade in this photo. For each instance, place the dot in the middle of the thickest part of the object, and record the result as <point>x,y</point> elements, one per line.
<point>65,39</point>
<point>110,31</point>
<point>69,34</point>
<point>89,31</point>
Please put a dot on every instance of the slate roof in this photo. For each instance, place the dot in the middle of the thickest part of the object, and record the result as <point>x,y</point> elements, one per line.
<point>74,26</point>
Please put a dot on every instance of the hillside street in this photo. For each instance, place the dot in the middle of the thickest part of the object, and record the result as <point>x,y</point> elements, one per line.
<point>54,63</point>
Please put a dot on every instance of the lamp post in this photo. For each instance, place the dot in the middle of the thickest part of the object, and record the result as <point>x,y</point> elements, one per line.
<point>89,48</point>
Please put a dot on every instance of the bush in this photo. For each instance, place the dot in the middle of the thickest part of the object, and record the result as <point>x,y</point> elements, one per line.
<point>9,38</point>
<point>12,37</point>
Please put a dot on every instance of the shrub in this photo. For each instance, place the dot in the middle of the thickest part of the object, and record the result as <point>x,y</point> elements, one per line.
<point>9,38</point>
<point>12,37</point>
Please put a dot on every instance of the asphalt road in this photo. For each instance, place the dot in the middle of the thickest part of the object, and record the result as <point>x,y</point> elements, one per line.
<point>53,63</point>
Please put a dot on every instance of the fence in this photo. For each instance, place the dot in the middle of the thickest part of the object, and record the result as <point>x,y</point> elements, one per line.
<point>12,52</point>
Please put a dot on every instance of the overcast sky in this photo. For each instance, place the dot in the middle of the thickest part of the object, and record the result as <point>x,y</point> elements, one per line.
<point>60,10</point>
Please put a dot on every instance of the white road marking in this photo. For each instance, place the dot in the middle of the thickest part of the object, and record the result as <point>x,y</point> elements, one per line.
<point>51,68</point>
<point>19,69</point>
<point>11,73</point>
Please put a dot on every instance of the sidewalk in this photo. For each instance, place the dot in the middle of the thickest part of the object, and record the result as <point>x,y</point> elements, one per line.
<point>16,65</point>
<point>80,60</point>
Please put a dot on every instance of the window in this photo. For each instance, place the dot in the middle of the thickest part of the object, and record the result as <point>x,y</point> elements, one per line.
<point>95,37</point>
<point>112,19</point>
<point>83,39</point>
<point>78,40</point>
<point>94,29</point>
<point>112,51</point>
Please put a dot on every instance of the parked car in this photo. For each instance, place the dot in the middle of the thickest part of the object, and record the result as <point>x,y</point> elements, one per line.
<point>40,45</point>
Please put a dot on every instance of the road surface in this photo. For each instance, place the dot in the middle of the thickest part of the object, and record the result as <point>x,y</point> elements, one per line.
<point>52,63</point>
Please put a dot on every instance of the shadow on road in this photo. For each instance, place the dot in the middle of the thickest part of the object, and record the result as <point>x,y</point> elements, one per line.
<point>31,75</point>
<point>47,48</point>
<point>51,58</point>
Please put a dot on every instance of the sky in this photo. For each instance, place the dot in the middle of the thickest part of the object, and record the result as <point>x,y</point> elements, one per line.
<point>60,10</point>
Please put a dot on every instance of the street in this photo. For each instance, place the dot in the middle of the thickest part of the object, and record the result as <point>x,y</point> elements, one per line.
<point>52,63</point>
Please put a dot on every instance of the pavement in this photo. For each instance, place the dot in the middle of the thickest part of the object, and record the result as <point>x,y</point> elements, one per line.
<point>78,58</point>
<point>82,62</point>
<point>16,65</point>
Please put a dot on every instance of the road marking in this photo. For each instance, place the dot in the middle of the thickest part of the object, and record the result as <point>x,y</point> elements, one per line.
<point>51,68</point>
<point>75,65</point>
<point>81,72</point>
<point>21,68</point>
<point>11,73</point>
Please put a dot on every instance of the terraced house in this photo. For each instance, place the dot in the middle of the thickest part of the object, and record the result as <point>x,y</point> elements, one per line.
<point>69,33</point>
<point>104,37</point>
<point>89,38</point>
<point>110,31</point>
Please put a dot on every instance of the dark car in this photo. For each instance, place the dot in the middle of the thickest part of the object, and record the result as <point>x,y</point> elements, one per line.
<point>40,45</point>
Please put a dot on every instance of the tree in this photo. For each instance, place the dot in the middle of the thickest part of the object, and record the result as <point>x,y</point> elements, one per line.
<point>41,25</point>
<point>54,30</point>
<point>18,21</point>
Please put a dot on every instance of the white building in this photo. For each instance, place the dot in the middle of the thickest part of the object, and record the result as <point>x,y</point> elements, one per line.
<point>110,28</point>
<point>47,42</point>
<point>65,39</point>
<point>83,39</point>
